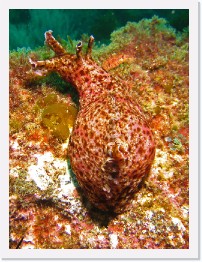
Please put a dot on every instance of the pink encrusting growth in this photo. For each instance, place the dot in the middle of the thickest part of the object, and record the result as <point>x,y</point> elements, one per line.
<point>111,147</point>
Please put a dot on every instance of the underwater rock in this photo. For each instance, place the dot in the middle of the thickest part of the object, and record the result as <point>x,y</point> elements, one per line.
<point>111,147</point>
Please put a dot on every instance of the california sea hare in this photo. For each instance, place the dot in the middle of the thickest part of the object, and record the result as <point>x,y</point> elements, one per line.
<point>111,147</point>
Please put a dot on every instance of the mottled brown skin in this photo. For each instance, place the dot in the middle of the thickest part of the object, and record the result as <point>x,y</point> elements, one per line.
<point>111,147</point>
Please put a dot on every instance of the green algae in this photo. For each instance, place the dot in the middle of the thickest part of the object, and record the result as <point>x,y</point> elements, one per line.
<point>177,145</point>
<point>47,100</point>
<point>42,52</point>
<point>20,186</point>
<point>181,53</point>
<point>15,125</point>
<point>59,119</point>
<point>146,27</point>
<point>56,116</point>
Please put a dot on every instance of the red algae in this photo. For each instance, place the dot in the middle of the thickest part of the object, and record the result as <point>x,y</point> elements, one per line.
<point>47,207</point>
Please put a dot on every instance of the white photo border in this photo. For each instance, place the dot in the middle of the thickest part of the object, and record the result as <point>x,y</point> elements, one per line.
<point>193,251</point>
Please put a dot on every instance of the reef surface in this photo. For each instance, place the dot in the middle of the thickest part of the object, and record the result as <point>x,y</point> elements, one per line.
<point>47,206</point>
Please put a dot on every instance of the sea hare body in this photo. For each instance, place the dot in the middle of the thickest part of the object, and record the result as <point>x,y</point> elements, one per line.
<point>111,147</point>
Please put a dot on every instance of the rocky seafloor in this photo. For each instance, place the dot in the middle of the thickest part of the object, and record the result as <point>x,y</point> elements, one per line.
<point>47,207</point>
